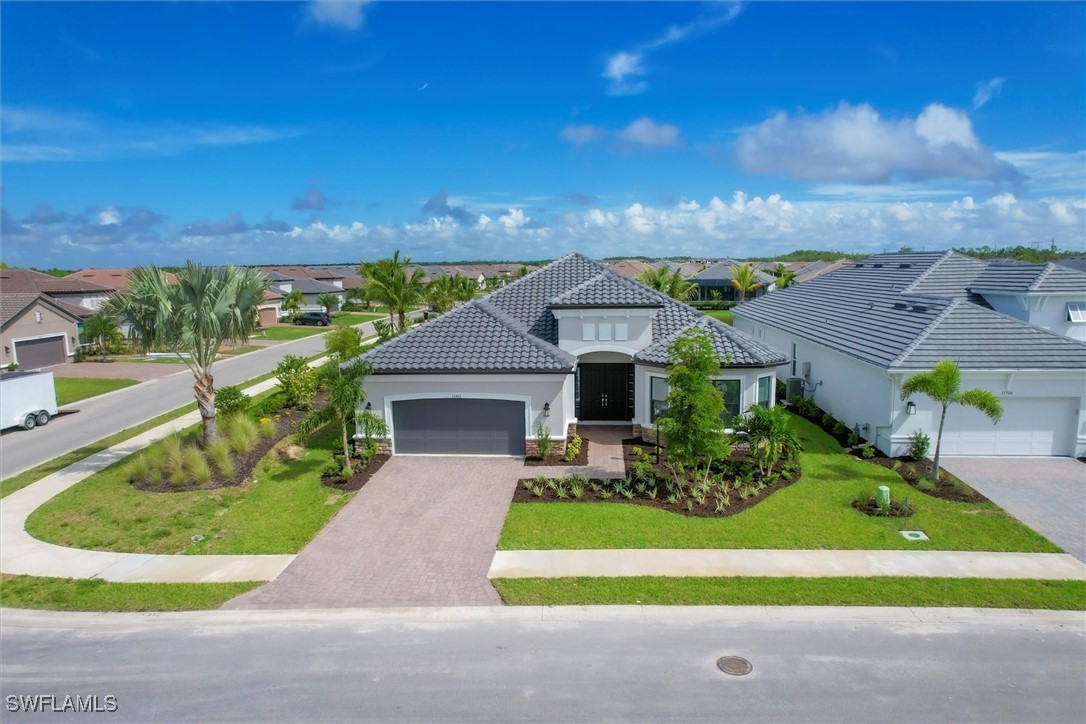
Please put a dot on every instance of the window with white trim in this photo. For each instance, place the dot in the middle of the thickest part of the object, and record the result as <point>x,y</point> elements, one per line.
<point>588,332</point>
<point>604,334</point>
<point>733,399</point>
<point>622,332</point>
<point>765,391</point>
<point>1076,311</point>
<point>657,397</point>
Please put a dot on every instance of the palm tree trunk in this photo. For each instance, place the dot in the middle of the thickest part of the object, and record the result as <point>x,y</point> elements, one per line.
<point>346,451</point>
<point>402,314</point>
<point>205,400</point>
<point>938,446</point>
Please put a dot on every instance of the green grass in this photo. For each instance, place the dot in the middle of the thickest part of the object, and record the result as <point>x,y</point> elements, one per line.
<point>278,513</point>
<point>68,594</point>
<point>723,315</point>
<point>742,591</point>
<point>73,389</point>
<point>353,318</point>
<point>289,332</point>
<point>814,513</point>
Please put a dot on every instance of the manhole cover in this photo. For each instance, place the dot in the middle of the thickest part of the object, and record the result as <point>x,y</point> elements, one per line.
<point>734,665</point>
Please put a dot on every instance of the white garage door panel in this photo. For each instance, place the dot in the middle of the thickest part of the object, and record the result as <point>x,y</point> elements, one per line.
<point>1030,426</point>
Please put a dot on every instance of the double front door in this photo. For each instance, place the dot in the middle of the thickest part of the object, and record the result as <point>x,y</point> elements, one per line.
<point>605,392</point>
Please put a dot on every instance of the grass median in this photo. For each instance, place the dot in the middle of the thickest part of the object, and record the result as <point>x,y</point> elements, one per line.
<point>74,389</point>
<point>69,594</point>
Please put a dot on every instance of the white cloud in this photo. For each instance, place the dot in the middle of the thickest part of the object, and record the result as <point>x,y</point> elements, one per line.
<point>513,220</point>
<point>620,67</point>
<point>854,144</point>
<point>987,91</point>
<point>109,217</point>
<point>580,135</point>
<point>345,14</point>
<point>648,133</point>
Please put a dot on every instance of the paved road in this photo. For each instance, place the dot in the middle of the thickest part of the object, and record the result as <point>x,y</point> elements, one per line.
<point>102,416</point>
<point>971,668</point>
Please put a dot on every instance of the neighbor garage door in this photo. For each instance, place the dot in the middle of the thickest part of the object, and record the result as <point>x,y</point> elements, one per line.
<point>458,426</point>
<point>1030,426</point>
<point>34,353</point>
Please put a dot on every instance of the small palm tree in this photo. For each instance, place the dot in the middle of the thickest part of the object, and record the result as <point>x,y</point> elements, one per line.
<point>343,385</point>
<point>293,301</point>
<point>329,301</point>
<point>394,283</point>
<point>441,293</point>
<point>207,307</point>
<point>745,280</point>
<point>944,385</point>
<point>465,289</point>
<point>669,282</point>
<point>770,434</point>
<point>101,327</point>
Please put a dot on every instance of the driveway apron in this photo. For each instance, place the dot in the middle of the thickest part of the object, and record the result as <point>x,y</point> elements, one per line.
<point>1047,494</point>
<point>422,532</point>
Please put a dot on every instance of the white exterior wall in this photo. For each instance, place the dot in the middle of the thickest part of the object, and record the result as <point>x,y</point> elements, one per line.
<point>536,390</point>
<point>571,330</point>
<point>748,388</point>
<point>1047,311</point>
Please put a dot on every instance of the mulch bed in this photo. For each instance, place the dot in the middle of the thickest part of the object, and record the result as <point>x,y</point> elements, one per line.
<point>243,466</point>
<point>361,475</point>
<point>911,471</point>
<point>559,461</point>
<point>896,509</point>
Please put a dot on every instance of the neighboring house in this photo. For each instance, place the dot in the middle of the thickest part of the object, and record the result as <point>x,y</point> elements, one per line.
<point>855,334</point>
<point>686,268</point>
<point>270,310</point>
<point>280,282</point>
<point>818,268</point>
<point>718,278</point>
<point>631,268</point>
<point>115,279</point>
<point>79,292</point>
<point>328,275</point>
<point>1049,296</point>
<point>1078,263</point>
<point>572,342</point>
<point>37,330</point>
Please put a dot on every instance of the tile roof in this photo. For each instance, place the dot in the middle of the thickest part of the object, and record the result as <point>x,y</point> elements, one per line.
<point>1012,276</point>
<point>630,268</point>
<point>303,272</point>
<point>514,330</point>
<point>817,269</point>
<point>12,304</point>
<point>905,311</point>
<point>607,289</point>
<point>112,278</point>
<point>722,271</point>
<point>306,285</point>
<point>24,281</point>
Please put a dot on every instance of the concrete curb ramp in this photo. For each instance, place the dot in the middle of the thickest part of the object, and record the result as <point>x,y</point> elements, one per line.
<point>784,563</point>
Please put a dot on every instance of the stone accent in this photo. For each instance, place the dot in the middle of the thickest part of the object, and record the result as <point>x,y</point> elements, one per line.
<point>572,430</point>
<point>384,445</point>
<point>531,448</point>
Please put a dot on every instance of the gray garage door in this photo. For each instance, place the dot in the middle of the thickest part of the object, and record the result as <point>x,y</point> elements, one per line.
<point>34,353</point>
<point>458,427</point>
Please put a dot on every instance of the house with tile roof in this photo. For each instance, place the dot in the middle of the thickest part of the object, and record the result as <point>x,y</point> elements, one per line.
<point>37,330</point>
<point>855,334</point>
<point>310,283</point>
<point>717,278</point>
<point>572,342</point>
<point>81,292</point>
<point>115,279</point>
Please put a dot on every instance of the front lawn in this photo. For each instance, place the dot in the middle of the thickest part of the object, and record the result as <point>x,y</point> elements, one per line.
<point>813,513</point>
<point>350,319</point>
<point>73,389</point>
<point>288,332</point>
<point>743,591</point>
<point>723,315</point>
<point>278,513</point>
<point>69,594</point>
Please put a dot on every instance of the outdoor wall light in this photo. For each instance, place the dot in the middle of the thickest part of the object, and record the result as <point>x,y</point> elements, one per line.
<point>369,406</point>
<point>910,408</point>
<point>546,409</point>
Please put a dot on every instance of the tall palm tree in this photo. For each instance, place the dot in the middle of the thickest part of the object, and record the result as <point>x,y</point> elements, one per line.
<point>670,282</point>
<point>101,327</point>
<point>944,385</point>
<point>396,284</point>
<point>329,301</point>
<point>745,280</point>
<point>343,385</point>
<point>441,293</point>
<point>193,318</point>
<point>465,289</point>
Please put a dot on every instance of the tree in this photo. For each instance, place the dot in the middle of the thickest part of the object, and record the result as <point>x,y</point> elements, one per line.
<point>343,344</point>
<point>785,278</point>
<point>356,295</point>
<point>745,280</point>
<point>193,318</point>
<point>343,385</point>
<point>692,423</point>
<point>293,301</point>
<point>770,434</point>
<point>102,328</point>
<point>441,293</point>
<point>465,289</point>
<point>669,282</point>
<point>329,301</point>
<point>944,385</point>
<point>394,283</point>
<point>522,271</point>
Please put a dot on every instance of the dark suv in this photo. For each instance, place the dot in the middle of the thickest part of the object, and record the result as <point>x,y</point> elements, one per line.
<point>319,319</point>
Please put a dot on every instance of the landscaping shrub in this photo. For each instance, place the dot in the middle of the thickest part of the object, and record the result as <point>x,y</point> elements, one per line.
<point>544,443</point>
<point>219,453</point>
<point>373,428</point>
<point>231,399</point>
<point>267,428</point>
<point>196,465</point>
<point>241,433</point>
<point>573,448</point>
<point>173,454</point>
<point>268,406</point>
<point>712,305</point>
<point>919,444</point>
<point>298,381</point>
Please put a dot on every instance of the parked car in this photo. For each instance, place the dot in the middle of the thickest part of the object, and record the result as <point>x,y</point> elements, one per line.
<point>319,319</point>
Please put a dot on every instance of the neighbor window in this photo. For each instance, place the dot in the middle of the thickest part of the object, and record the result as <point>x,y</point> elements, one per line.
<point>1076,311</point>
<point>588,332</point>
<point>793,359</point>
<point>765,391</point>
<point>622,332</point>
<point>605,332</point>
<point>657,397</point>
<point>733,399</point>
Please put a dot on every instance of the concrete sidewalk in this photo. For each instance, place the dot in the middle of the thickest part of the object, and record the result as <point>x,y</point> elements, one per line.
<point>784,563</point>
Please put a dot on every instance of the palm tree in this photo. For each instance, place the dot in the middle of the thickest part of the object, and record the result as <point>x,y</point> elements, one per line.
<point>101,327</point>
<point>465,289</point>
<point>343,385</point>
<point>394,283</point>
<point>193,318</point>
<point>293,301</point>
<point>669,282</point>
<point>745,280</point>
<point>356,294</point>
<point>329,301</point>
<point>770,434</point>
<point>441,293</point>
<point>944,385</point>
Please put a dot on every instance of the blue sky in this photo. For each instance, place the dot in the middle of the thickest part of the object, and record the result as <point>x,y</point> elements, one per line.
<point>315,132</point>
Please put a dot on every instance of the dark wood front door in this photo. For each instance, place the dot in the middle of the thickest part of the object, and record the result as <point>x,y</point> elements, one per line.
<point>605,391</point>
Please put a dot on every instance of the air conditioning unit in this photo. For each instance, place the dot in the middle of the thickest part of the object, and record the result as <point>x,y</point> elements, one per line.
<point>796,386</point>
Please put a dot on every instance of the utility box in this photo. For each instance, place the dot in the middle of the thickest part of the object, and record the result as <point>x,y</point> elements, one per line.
<point>27,399</point>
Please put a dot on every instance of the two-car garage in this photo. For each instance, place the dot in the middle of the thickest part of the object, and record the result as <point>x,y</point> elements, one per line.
<point>1038,426</point>
<point>32,354</point>
<point>458,426</point>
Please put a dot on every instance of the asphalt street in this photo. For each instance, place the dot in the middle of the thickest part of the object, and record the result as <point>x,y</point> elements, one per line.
<point>1012,670</point>
<point>100,417</point>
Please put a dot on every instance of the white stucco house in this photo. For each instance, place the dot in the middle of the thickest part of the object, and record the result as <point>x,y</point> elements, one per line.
<point>572,342</point>
<point>1015,330</point>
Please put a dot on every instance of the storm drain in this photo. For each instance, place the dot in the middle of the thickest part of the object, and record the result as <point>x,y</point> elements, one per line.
<point>734,665</point>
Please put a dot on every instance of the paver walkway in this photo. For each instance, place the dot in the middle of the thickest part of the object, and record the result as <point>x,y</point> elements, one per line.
<point>422,532</point>
<point>1047,494</point>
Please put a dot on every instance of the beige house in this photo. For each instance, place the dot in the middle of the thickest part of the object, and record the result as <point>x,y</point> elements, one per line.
<point>38,331</point>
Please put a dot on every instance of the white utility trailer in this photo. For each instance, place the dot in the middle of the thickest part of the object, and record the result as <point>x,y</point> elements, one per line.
<point>27,399</point>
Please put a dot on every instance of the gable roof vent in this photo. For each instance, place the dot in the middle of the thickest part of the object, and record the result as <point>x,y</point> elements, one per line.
<point>877,266</point>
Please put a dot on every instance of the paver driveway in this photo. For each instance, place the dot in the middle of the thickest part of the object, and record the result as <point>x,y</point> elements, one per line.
<point>1047,494</point>
<point>422,532</point>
